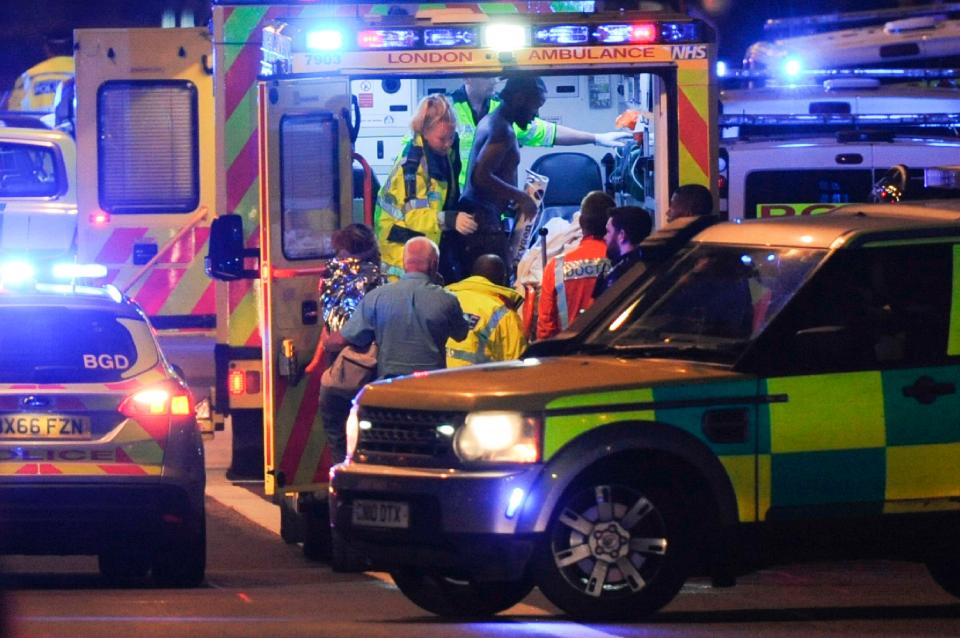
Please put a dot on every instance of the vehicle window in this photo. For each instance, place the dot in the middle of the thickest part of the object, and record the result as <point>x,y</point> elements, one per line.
<point>916,189</point>
<point>64,345</point>
<point>793,192</point>
<point>310,195</point>
<point>30,170</point>
<point>710,302</point>
<point>148,148</point>
<point>867,309</point>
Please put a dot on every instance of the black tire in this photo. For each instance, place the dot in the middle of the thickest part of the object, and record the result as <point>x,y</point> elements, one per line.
<point>344,559</point>
<point>946,573</point>
<point>455,597</point>
<point>317,541</point>
<point>291,524</point>
<point>123,566</point>
<point>182,564</point>
<point>616,549</point>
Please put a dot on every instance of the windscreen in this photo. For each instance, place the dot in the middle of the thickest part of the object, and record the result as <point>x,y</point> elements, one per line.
<point>709,302</point>
<point>30,170</point>
<point>53,344</point>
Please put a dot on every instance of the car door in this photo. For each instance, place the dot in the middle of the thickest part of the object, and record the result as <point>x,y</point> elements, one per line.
<point>865,377</point>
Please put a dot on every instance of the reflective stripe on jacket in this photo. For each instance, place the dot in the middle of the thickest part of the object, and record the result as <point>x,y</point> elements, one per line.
<point>36,89</point>
<point>567,286</point>
<point>496,330</point>
<point>411,203</point>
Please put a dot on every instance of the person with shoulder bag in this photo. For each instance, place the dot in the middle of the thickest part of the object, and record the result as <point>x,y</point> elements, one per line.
<point>353,273</point>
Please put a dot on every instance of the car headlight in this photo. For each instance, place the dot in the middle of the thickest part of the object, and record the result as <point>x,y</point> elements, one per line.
<point>503,437</point>
<point>353,430</point>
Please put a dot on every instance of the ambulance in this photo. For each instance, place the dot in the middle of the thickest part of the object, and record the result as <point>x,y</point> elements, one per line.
<point>339,82</point>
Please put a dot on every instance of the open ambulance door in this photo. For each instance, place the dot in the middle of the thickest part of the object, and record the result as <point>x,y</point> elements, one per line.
<point>305,195</point>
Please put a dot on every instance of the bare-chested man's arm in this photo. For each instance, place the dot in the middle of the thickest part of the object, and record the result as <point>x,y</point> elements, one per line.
<point>494,174</point>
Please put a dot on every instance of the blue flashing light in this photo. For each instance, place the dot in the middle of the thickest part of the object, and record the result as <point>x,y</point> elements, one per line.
<point>746,260</point>
<point>674,32</point>
<point>17,272</point>
<point>77,271</point>
<point>449,37</point>
<point>325,40</point>
<point>771,257</point>
<point>387,39</point>
<point>721,69</point>
<point>562,34</point>
<point>516,500</point>
<point>638,33</point>
<point>792,67</point>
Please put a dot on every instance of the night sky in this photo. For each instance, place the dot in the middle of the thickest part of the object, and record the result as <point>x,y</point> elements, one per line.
<point>23,23</point>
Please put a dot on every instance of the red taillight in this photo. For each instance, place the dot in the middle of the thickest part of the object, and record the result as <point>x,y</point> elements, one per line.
<point>99,218</point>
<point>167,399</point>
<point>237,382</point>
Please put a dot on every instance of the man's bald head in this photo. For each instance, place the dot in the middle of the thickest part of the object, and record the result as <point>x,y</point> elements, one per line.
<point>420,255</point>
<point>492,268</point>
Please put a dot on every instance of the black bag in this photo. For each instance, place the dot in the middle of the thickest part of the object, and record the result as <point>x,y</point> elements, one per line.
<point>351,370</point>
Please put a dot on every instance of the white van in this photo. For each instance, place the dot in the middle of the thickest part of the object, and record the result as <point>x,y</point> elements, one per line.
<point>38,194</point>
<point>805,150</point>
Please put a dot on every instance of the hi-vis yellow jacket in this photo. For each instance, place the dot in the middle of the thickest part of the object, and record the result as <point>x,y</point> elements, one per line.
<point>496,330</point>
<point>412,202</point>
<point>36,89</point>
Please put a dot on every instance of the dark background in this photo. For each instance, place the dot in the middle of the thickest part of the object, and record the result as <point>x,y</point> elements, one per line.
<point>25,23</point>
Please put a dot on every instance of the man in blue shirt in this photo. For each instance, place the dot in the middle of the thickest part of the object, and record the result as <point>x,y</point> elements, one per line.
<point>410,319</point>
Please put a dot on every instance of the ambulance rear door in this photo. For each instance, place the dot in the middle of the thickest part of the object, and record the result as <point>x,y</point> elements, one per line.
<point>306,194</point>
<point>146,170</point>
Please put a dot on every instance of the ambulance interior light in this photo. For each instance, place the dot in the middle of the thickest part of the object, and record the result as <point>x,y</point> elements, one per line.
<point>387,39</point>
<point>505,36</point>
<point>637,33</point>
<point>448,37</point>
<point>562,34</point>
<point>325,40</point>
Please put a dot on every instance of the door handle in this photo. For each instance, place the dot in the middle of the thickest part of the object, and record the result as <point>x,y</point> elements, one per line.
<point>726,426</point>
<point>926,390</point>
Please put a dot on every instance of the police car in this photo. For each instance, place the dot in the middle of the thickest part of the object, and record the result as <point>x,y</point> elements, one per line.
<point>99,447</point>
<point>778,389</point>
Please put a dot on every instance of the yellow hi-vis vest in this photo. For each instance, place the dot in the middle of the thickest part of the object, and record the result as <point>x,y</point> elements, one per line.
<point>496,330</point>
<point>411,203</point>
<point>36,89</point>
<point>538,133</point>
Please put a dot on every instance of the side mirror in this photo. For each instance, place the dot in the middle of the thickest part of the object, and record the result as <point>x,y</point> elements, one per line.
<point>227,252</point>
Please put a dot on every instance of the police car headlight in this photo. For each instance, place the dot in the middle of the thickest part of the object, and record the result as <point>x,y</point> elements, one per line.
<point>501,437</point>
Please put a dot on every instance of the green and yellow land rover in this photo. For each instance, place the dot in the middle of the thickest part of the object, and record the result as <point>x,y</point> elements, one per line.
<point>776,390</point>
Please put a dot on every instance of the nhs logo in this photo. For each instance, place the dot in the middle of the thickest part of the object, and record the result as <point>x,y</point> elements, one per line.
<point>688,52</point>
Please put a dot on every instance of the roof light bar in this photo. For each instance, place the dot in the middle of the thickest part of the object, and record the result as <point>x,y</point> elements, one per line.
<point>636,33</point>
<point>17,272</point>
<point>78,271</point>
<point>450,37</point>
<point>674,32</point>
<point>562,34</point>
<point>387,39</point>
<point>325,40</point>
<point>505,36</point>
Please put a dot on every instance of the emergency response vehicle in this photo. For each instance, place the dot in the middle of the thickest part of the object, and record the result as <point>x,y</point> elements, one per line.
<point>99,449</point>
<point>804,150</point>
<point>38,194</point>
<point>331,70</point>
<point>778,389</point>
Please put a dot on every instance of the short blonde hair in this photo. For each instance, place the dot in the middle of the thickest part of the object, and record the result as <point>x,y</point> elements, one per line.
<point>432,110</point>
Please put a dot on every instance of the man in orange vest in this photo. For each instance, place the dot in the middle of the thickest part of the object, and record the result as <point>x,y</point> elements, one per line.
<point>568,279</point>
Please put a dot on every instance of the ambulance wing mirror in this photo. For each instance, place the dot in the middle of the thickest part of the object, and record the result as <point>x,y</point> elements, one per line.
<point>227,253</point>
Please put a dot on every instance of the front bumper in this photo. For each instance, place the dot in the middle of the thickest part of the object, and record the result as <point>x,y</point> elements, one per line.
<point>458,519</point>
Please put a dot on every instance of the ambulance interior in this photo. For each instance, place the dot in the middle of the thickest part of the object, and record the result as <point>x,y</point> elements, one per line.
<point>586,102</point>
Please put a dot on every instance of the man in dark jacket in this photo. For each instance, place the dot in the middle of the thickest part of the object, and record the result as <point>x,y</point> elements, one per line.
<point>627,226</point>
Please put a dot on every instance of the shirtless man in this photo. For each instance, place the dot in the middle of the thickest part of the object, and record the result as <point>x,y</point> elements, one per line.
<point>492,182</point>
